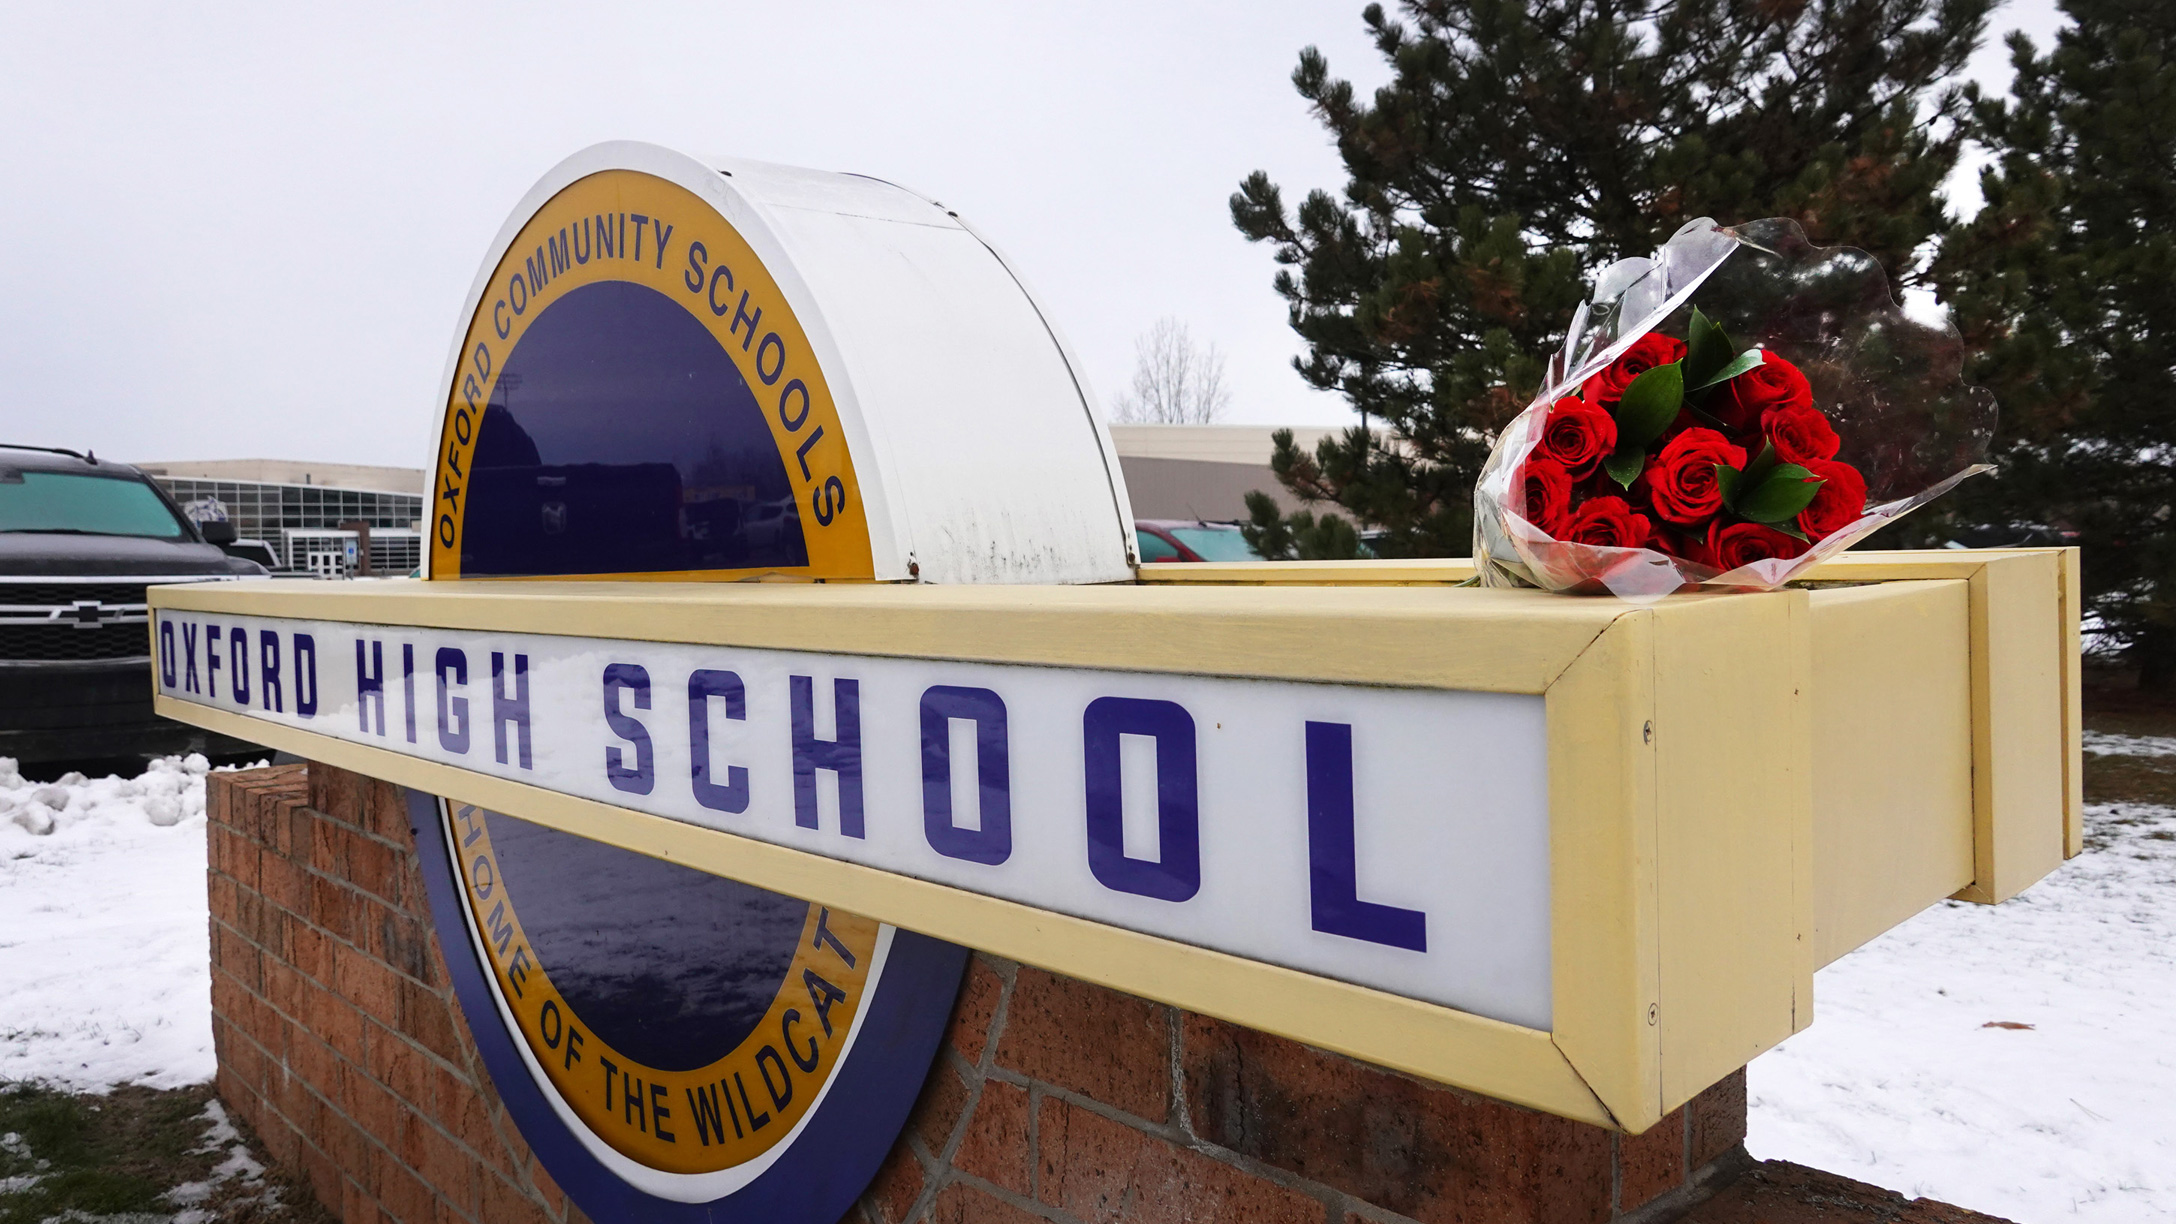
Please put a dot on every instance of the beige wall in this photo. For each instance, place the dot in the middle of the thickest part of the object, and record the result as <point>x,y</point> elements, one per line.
<point>293,471</point>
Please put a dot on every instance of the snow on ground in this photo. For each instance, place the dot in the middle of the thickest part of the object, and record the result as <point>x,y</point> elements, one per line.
<point>2130,745</point>
<point>104,945</point>
<point>2017,1059</point>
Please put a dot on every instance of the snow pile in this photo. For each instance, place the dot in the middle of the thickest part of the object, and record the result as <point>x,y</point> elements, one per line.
<point>2105,744</point>
<point>104,929</point>
<point>2017,1059</point>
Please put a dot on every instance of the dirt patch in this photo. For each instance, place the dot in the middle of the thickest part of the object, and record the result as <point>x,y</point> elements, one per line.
<point>137,1156</point>
<point>2114,706</point>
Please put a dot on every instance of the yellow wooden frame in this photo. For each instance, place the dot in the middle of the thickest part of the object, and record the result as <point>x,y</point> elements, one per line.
<point>1679,771</point>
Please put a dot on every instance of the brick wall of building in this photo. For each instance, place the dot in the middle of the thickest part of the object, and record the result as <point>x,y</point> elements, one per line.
<point>341,1044</point>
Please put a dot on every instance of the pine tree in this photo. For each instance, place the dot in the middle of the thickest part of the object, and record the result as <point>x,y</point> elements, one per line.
<point>1520,145</point>
<point>2062,285</point>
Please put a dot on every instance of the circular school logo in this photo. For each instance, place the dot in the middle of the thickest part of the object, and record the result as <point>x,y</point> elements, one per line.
<point>635,398</point>
<point>673,1044</point>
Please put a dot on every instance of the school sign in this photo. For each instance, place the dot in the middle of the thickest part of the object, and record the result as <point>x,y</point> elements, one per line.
<point>783,638</point>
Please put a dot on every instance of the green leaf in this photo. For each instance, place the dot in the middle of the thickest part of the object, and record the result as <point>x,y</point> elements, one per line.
<point>1763,463</point>
<point>1727,476</point>
<point>1736,366</point>
<point>1790,529</point>
<point>1649,405</point>
<point>1787,490</point>
<point>1707,349</point>
<point>1625,465</point>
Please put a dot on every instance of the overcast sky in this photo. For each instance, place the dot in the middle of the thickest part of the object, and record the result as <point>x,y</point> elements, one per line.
<point>235,231</point>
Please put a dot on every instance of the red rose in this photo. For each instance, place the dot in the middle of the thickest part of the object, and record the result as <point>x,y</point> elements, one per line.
<point>1682,478</point>
<point>1545,493</point>
<point>1577,434</point>
<point>1743,543</point>
<point>1838,503</point>
<point>1647,352</point>
<point>1801,435</point>
<point>1608,522</point>
<point>1774,383</point>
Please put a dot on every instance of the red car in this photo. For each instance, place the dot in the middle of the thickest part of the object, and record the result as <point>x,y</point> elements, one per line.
<point>1189,540</point>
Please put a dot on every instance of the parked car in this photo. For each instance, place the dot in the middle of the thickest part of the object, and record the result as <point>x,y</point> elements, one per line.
<point>1191,540</point>
<point>80,539</point>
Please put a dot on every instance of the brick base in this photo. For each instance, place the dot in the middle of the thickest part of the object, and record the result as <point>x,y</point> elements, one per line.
<point>341,1043</point>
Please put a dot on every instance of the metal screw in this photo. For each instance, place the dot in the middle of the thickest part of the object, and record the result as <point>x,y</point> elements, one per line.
<point>1653,1010</point>
<point>1647,733</point>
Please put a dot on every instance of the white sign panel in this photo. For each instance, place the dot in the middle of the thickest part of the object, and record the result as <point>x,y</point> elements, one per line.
<point>1393,838</point>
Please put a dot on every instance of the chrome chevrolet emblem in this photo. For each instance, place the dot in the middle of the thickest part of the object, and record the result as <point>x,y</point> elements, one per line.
<point>86,613</point>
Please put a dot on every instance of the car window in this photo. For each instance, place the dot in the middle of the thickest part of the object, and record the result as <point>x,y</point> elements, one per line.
<point>1216,543</point>
<point>1154,547</point>
<point>84,505</point>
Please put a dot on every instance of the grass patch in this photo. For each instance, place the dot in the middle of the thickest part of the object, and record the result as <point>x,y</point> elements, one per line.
<point>134,1156</point>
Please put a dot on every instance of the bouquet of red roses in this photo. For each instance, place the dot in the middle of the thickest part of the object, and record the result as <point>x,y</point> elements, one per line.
<point>1656,463</point>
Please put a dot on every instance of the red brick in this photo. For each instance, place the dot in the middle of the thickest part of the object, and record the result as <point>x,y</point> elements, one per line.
<point>401,1193</point>
<point>1776,1192</point>
<point>309,952</point>
<point>1651,1163</point>
<point>335,792</point>
<point>376,1111</point>
<point>1716,1119</point>
<point>283,989</point>
<point>395,937</point>
<point>1434,1154</point>
<point>448,1170</point>
<point>328,849</point>
<point>374,868</point>
<point>945,1097</point>
<point>995,1147</point>
<point>428,1019</point>
<point>221,891</point>
<point>1104,1171</point>
<point>283,883</point>
<point>398,1065</point>
<point>333,907</point>
<point>326,1183</point>
<point>547,1190</point>
<point>503,1203</point>
<point>897,1185</point>
<point>1108,1046</point>
<point>972,1012</point>
<point>369,985</point>
<point>963,1204</point>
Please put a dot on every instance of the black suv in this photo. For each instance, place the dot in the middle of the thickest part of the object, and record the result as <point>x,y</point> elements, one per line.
<point>80,539</point>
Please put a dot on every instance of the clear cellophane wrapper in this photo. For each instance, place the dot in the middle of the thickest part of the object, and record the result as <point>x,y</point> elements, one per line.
<point>1890,384</point>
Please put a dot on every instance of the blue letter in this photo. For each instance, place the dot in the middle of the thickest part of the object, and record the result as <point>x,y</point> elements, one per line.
<point>1178,808</point>
<point>370,685</point>
<point>510,707</point>
<point>166,654</point>
<point>211,660</point>
<point>842,755</point>
<point>702,686</point>
<point>1332,869</point>
<point>238,664</point>
<point>992,843</point>
<point>306,675</point>
<point>452,711</point>
<point>268,672</point>
<point>639,780</point>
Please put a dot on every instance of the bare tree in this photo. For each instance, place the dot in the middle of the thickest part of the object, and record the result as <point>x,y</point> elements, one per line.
<point>1175,382</point>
